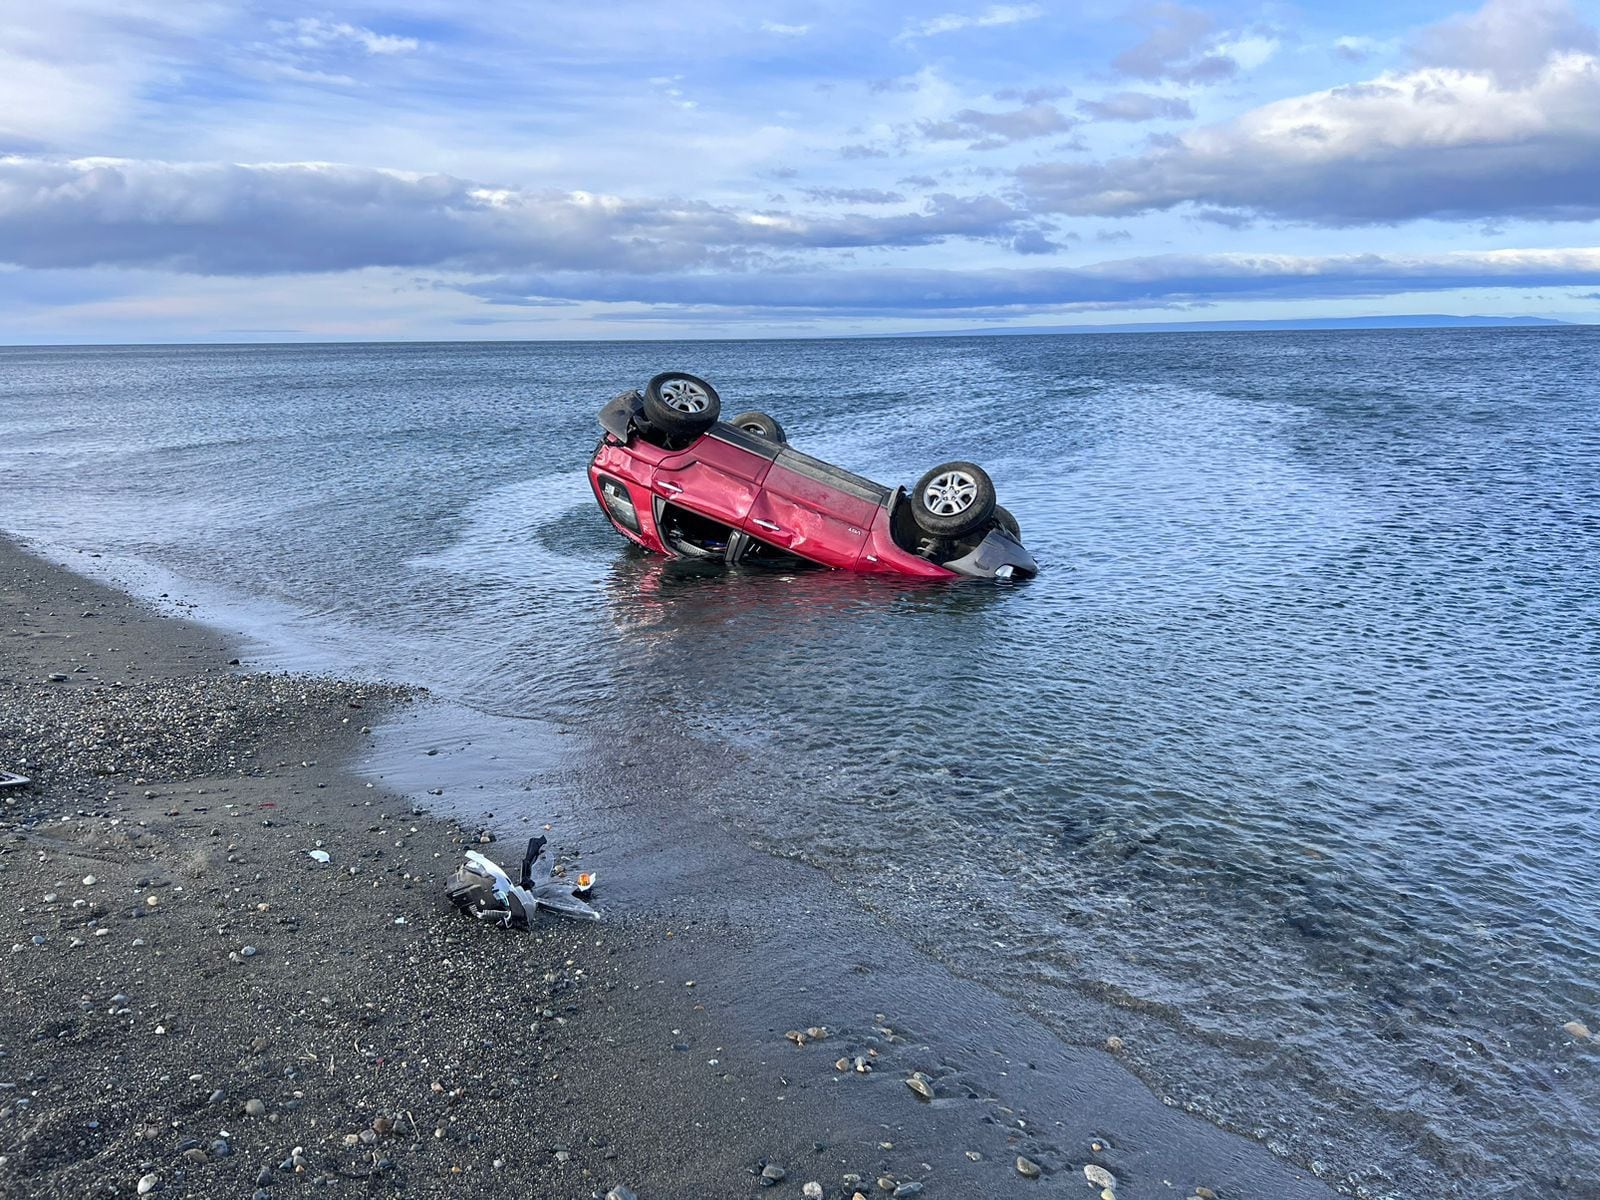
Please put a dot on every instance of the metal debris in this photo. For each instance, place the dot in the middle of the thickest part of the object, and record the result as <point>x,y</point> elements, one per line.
<point>481,888</point>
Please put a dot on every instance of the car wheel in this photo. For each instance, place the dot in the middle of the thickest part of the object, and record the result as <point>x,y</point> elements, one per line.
<point>760,424</point>
<point>1004,519</point>
<point>680,405</point>
<point>953,500</point>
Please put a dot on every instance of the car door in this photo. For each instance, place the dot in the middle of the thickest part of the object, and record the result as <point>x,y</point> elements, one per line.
<point>714,477</point>
<point>815,510</point>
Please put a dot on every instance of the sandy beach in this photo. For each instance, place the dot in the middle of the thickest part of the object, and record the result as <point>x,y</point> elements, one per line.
<point>194,1006</point>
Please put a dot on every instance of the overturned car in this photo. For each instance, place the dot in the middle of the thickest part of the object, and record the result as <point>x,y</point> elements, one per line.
<point>673,477</point>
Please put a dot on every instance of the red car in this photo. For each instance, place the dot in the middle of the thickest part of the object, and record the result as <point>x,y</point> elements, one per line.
<point>677,480</point>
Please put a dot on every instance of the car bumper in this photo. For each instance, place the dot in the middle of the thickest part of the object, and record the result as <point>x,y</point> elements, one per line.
<point>998,556</point>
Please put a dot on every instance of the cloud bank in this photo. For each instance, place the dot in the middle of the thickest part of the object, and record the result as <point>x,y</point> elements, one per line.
<point>263,219</point>
<point>1163,280</point>
<point>1500,120</point>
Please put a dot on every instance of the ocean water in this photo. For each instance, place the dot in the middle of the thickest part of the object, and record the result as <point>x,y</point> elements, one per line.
<point>1291,754</point>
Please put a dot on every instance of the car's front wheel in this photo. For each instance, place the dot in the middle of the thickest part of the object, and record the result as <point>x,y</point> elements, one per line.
<point>681,405</point>
<point>953,500</point>
<point>762,425</point>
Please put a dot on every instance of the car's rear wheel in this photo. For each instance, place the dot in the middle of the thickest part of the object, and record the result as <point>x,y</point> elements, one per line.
<point>953,500</point>
<point>1004,519</point>
<point>762,425</point>
<point>681,405</point>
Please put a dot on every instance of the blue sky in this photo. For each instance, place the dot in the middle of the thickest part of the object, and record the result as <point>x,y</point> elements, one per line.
<point>229,171</point>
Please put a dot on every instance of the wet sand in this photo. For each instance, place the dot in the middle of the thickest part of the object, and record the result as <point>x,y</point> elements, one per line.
<point>216,999</point>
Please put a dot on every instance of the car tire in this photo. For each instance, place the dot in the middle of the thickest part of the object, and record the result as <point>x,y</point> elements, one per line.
<point>953,500</point>
<point>1004,519</point>
<point>681,405</point>
<point>762,425</point>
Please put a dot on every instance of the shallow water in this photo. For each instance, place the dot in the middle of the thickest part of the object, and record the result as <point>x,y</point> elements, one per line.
<point>1292,753</point>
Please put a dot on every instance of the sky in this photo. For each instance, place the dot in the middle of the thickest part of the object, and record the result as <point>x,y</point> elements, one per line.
<point>211,170</point>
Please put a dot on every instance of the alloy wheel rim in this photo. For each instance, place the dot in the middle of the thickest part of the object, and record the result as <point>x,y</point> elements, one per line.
<point>950,493</point>
<point>685,396</point>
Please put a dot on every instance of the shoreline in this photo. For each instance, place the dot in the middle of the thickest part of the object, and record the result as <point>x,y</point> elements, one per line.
<point>647,1051</point>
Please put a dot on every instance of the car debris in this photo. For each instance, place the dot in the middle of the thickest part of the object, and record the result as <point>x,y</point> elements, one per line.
<point>482,888</point>
<point>673,478</point>
<point>10,780</point>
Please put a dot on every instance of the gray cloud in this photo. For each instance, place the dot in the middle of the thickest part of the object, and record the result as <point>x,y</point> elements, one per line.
<point>1511,40</point>
<point>1438,142</point>
<point>992,130</point>
<point>852,195</point>
<point>1166,280</point>
<point>1036,95</point>
<point>1136,106</point>
<point>224,219</point>
<point>1178,46</point>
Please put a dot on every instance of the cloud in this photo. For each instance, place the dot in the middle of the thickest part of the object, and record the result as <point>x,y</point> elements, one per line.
<point>1136,106</point>
<point>852,196</point>
<point>785,30</point>
<point>314,33</point>
<point>72,71</point>
<point>859,150</point>
<point>227,219</point>
<point>1178,45</point>
<point>1164,280</point>
<point>995,14</point>
<point>991,130</point>
<point>1356,49</point>
<point>1033,95</point>
<point>1510,40</point>
<point>1439,142</point>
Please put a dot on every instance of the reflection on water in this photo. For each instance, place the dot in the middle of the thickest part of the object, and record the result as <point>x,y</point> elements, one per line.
<point>1291,753</point>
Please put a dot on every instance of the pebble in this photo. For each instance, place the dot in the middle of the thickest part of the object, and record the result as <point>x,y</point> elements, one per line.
<point>253,1107</point>
<point>90,881</point>
<point>1099,1176</point>
<point>911,1188</point>
<point>1113,1043</point>
<point>249,952</point>
<point>1027,1168</point>
<point>919,1084</point>
<point>148,1183</point>
<point>772,1173</point>
<point>812,1190</point>
<point>621,1193</point>
<point>1205,1193</point>
<point>1578,1030</point>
